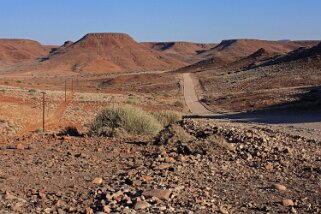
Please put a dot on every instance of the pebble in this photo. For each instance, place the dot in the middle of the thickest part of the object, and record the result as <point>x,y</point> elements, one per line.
<point>107,209</point>
<point>161,194</point>
<point>169,160</point>
<point>141,205</point>
<point>97,181</point>
<point>20,146</point>
<point>89,211</point>
<point>18,207</point>
<point>279,187</point>
<point>163,166</point>
<point>287,202</point>
<point>269,167</point>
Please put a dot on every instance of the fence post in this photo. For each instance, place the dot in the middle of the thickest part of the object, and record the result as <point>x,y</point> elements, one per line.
<point>72,85</point>
<point>65,90</point>
<point>43,111</point>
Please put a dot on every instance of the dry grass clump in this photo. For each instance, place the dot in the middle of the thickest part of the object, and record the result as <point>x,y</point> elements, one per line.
<point>133,120</point>
<point>167,117</point>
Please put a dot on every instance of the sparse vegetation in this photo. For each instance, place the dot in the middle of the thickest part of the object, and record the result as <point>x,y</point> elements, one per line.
<point>178,104</point>
<point>167,117</point>
<point>132,99</point>
<point>32,91</point>
<point>131,119</point>
<point>38,130</point>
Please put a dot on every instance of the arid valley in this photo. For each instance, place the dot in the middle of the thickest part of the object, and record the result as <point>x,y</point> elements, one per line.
<point>110,124</point>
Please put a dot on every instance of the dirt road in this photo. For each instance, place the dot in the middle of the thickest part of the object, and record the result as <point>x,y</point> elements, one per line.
<point>191,99</point>
<point>304,124</point>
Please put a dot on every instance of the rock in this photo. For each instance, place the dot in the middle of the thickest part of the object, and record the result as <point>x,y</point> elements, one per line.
<point>269,167</point>
<point>287,202</point>
<point>66,138</point>
<point>173,134</point>
<point>223,210</point>
<point>183,158</point>
<point>293,210</point>
<point>117,194</point>
<point>279,187</point>
<point>61,211</point>
<point>89,211</point>
<point>47,210</point>
<point>9,196</point>
<point>169,160</point>
<point>107,209</point>
<point>20,146</point>
<point>146,178</point>
<point>161,194</point>
<point>127,210</point>
<point>97,181</point>
<point>141,205</point>
<point>18,207</point>
<point>163,166</point>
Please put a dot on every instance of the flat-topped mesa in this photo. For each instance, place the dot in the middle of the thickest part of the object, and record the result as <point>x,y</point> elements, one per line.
<point>106,36</point>
<point>95,40</point>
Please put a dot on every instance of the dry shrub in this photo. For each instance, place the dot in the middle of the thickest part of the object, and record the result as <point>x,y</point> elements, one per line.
<point>167,117</point>
<point>133,120</point>
<point>174,134</point>
<point>189,144</point>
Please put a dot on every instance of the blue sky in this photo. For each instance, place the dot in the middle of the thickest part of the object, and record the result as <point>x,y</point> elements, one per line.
<point>55,21</point>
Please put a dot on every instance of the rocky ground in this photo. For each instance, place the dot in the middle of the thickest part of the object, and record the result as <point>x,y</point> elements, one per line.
<point>196,167</point>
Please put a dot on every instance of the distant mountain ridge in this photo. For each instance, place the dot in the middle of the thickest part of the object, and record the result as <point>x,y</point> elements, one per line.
<point>118,52</point>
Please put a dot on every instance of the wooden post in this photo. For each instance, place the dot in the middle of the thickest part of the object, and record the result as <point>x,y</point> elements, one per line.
<point>72,85</point>
<point>43,111</point>
<point>65,90</point>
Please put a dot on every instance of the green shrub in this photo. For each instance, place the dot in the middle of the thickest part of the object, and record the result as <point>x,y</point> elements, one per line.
<point>167,117</point>
<point>132,120</point>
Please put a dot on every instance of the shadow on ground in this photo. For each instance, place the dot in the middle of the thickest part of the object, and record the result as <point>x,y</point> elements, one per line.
<point>305,109</point>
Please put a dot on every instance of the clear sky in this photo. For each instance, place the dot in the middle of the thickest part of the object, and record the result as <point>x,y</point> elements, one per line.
<point>55,21</point>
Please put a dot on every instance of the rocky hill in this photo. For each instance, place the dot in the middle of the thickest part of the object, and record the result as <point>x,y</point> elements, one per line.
<point>20,50</point>
<point>184,51</point>
<point>232,51</point>
<point>107,52</point>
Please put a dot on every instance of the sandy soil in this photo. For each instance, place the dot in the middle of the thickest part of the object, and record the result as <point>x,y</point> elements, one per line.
<point>191,98</point>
